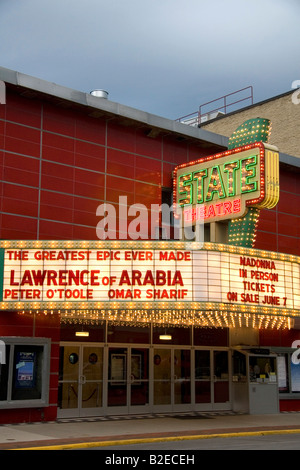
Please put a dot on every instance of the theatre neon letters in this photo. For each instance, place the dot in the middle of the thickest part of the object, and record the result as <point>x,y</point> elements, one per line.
<point>224,185</point>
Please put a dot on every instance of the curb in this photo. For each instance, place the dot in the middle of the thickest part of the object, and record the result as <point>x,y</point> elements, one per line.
<point>86,445</point>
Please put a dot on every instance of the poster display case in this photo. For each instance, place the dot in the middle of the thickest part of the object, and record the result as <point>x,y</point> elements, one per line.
<point>24,377</point>
<point>255,381</point>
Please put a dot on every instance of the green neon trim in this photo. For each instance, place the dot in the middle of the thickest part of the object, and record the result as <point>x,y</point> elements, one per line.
<point>185,194</point>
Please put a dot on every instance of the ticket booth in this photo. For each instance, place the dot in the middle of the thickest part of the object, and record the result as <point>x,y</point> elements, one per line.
<point>254,381</point>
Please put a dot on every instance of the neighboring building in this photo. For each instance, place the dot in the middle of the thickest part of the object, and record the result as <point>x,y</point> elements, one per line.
<point>282,110</point>
<point>64,154</point>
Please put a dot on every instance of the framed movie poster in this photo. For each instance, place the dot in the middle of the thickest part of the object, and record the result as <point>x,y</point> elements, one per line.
<point>118,369</point>
<point>25,369</point>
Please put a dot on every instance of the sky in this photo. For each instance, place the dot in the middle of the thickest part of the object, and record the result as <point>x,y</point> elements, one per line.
<point>165,57</point>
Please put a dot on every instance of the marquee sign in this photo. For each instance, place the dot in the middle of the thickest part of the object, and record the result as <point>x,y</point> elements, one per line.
<point>148,275</point>
<point>225,185</point>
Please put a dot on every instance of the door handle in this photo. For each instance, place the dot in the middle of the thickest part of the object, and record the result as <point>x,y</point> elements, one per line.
<point>82,379</point>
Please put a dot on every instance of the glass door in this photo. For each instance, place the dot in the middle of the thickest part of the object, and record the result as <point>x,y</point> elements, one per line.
<point>162,374</point>
<point>221,380</point>
<point>182,377</point>
<point>117,385</point>
<point>128,379</point>
<point>139,379</point>
<point>203,381</point>
<point>171,379</point>
<point>68,387</point>
<point>212,380</point>
<point>80,391</point>
<point>91,380</point>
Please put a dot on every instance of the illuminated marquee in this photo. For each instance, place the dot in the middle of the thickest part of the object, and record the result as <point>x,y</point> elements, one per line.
<point>224,185</point>
<point>148,275</point>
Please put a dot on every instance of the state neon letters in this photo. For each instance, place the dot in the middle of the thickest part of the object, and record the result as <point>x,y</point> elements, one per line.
<point>225,184</point>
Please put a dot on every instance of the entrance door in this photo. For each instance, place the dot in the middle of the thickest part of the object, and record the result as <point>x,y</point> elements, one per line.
<point>221,380</point>
<point>120,379</point>
<point>80,380</point>
<point>171,379</point>
<point>128,380</point>
<point>212,379</point>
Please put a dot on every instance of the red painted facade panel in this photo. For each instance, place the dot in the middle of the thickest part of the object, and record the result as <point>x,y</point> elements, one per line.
<point>148,146</point>
<point>90,129</point>
<point>12,205</point>
<point>21,146</point>
<point>175,152</point>
<point>20,170</point>
<point>279,338</point>
<point>289,182</point>
<point>289,245</point>
<point>84,233</point>
<point>52,230</point>
<point>90,186</point>
<point>58,200</point>
<point>58,149</point>
<point>89,156</point>
<point>117,186</point>
<point>268,221</point>
<point>25,134</point>
<point>148,170</point>
<point>122,138</point>
<point>18,228</point>
<point>47,326</point>
<point>20,110</point>
<point>28,415</point>
<point>56,177</point>
<point>85,218</point>
<point>65,125</point>
<point>24,193</point>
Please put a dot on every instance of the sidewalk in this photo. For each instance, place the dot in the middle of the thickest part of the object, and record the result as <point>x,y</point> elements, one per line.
<point>97,432</point>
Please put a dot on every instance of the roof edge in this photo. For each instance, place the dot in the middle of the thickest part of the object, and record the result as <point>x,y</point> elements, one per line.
<point>86,99</point>
<point>246,108</point>
<point>289,160</point>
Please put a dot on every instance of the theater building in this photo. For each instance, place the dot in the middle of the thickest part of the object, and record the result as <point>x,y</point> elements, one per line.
<point>107,307</point>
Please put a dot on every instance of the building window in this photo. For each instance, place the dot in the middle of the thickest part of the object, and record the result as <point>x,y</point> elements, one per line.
<point>24,377</point>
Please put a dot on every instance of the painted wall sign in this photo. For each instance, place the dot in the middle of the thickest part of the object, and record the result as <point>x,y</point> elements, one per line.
<point>224,185</point>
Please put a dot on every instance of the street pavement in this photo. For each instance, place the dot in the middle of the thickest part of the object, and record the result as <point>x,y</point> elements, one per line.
<point>87,433</point>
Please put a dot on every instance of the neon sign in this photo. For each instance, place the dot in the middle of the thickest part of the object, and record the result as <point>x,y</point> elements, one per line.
<point>224,185</point>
